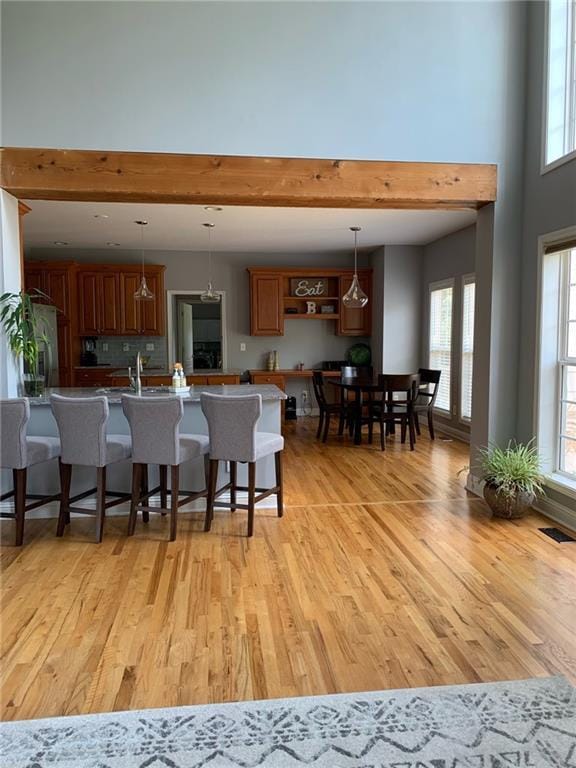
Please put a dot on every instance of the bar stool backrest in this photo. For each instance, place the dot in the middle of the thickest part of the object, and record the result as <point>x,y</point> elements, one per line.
<point>82,426</point>
<point>232,425</point>
<point>155,428</point>
<point>14,417</point>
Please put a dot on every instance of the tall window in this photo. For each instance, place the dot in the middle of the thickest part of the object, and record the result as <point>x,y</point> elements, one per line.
<point>440,339</point>
<point>561,80</point>
<point>468,296</point>
<point>566,460</point>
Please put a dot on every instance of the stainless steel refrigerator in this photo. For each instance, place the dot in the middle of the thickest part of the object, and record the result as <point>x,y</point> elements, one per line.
<point>46,318</point>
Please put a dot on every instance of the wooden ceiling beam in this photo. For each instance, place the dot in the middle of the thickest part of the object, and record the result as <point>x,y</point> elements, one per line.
<point>141,177</point>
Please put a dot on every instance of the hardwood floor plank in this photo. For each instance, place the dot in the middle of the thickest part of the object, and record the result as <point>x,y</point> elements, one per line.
<point>383,573</point>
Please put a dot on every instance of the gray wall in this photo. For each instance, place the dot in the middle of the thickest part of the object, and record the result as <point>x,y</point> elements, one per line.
<point>436,81</point>
<point>402,317</point>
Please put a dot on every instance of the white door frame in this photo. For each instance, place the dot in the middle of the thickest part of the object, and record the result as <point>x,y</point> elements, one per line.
<point>172,330</point>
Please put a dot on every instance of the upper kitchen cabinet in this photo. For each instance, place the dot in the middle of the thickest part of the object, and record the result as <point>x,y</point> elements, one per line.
<point>106,303</point>
<point>146,318</point>
<point>356,322</point>
<point>266,305</point>
<point>98,302</point>
<point>306,293</point>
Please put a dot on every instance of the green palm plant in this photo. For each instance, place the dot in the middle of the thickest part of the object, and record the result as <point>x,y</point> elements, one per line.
<point>22,329</point>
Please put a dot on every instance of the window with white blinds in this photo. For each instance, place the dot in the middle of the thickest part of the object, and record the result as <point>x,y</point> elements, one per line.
<point>440,339</point>
<point>468,296</point>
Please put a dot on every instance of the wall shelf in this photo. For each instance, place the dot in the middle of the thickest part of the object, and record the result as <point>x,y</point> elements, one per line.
<point>272,292</point>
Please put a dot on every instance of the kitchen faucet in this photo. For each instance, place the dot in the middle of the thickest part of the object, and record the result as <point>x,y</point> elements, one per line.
<point>136,383</point>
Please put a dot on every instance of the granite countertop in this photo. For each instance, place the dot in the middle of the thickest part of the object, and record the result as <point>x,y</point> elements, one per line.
<point>114,394</point>
<point>150,372</point>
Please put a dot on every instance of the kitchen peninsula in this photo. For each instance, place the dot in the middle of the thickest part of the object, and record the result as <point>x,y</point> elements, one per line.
<point>44,478</point>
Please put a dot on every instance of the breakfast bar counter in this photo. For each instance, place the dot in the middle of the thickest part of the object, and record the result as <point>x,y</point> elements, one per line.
<point>44,478</point>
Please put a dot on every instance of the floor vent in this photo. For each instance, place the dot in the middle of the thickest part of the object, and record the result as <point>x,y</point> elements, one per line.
<point>557,535</point>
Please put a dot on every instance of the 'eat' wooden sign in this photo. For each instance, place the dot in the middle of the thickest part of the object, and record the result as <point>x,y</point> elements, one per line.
<point>308,286</point>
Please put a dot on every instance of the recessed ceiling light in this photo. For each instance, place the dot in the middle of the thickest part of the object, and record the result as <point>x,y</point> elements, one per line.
<point>101,216</point>
<point>60,242</point>
<point>113,245</point>
<point>212,208</point>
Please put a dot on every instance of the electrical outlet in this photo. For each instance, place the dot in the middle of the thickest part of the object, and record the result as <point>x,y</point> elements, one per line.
<point>304,396</point>
<point>149,347</point>
<point>242,347</point>
<point>125,347</point>
<point>104,347</point>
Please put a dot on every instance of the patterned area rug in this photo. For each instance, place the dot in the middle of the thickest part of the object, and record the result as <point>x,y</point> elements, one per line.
<point>525,724</point>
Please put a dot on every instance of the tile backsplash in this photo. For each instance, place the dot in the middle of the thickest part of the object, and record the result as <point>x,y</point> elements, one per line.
<point>116,353</point>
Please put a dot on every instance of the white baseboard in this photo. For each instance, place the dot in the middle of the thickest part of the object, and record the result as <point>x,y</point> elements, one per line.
<point>50,510</point>
<point>557,512</point>
<point>459,434</point>
<point>474,485</point>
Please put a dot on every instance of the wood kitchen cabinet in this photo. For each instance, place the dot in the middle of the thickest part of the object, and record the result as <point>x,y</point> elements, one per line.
<point>146,318</point>
<point>106,303</point>
<point>278,295</point>
<point>266,306</point>
<point>98,303</point>
<point>356,322</point>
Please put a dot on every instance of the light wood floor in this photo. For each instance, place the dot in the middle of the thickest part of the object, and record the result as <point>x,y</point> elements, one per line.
<point>383,573</point>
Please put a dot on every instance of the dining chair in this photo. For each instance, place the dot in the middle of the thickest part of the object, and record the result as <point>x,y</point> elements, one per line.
<point>386,410</point>
<point>18,452</point>
<point>82,426</point>
<point>427,398</point>
<point>350,372</point>
<point>232,427</point>
<point>330,403</point>
<point>156,439</point>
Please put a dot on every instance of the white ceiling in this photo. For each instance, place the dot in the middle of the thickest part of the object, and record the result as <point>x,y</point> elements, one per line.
<point>242,229</point>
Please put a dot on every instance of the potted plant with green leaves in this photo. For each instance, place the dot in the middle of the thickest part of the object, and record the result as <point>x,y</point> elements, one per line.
<point>24,335</point>
<point>512,478</point>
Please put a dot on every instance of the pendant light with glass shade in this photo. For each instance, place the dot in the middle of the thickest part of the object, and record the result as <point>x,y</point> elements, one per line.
<point>210,296</point>
<point>143,293</point>
<point>355,298</point>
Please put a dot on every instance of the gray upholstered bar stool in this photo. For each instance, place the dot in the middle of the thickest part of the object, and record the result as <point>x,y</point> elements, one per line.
<point>156,439</point>
<point>232,423</point>
<point>18,452</point>
<point>82,425</point>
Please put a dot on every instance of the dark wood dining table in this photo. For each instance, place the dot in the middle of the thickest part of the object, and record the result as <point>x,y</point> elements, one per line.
<point>359,385</point>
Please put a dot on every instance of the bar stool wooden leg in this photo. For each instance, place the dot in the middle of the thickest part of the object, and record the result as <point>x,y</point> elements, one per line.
<point>136,485</point>
<point>233,481</point>
<point>64,514</point>
<point>279,483</point>
<point>212,479</point>
<point>251,494</point>
<point>174,487</point>
<point>19,477</point>
<point>100,502</point>
<point>163,486</point>
<point>144,486</point>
